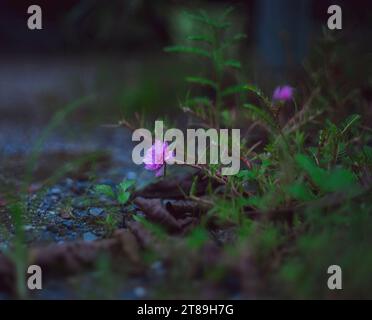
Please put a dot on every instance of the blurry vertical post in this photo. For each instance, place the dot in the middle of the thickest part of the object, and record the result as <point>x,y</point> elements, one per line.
<point>283,29</point>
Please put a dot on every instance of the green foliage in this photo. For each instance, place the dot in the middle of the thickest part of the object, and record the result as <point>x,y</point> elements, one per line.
<point>197,238</point>
<point>121,194</point>
<point>214,43</point>
<point>110,223</point>
<point>106,190</point>
<point>123,191</point>
<point>336,180</point>
<point>19,255</point>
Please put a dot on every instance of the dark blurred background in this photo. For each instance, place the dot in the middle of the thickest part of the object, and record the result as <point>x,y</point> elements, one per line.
<point>114,49</point>
<point>137,26</point>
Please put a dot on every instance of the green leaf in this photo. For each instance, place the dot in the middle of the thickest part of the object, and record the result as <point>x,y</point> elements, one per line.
<point>193,186</point>
<point>233,64</point>
<point>198,101</point>
<point>318,175</point>
<point>105,190</point>
<point>205,19</point>
<point>367,151</point>
<point>336,180</point>
<point>123,197</point>
<point>126,184</point>
<point>240,88</point>
<point>235,89</point>
<point>339,179</point>
<point>260,114</point>
<point>202,81</point>
<point>245,175</point>
<point>202,38</point>
<point>226,116</point>
<point>239,36</point>
<point>300,191</point>
<point>197,238</point>
<point>192,50</point>
<point>350,122</point>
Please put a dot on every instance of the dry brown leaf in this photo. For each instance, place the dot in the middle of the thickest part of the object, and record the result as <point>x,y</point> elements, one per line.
<point>155,211</point>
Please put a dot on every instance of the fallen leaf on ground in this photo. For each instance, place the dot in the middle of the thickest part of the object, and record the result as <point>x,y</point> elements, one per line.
<point>155,211</point>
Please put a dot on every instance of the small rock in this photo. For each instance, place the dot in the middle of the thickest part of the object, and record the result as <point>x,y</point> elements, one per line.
<point>69,182</point>
<point>3,247</point>
<point>54,198</point>
<point>80,187</point>
<point>52,228</point>
<point>34,187</point>
<point>96,211</point>
<point>131,175</point>
<point>28,227</point>
<point>89,236</point>
<point>76,203</point>
<point>47,236</point>
<point>139,292</point>
<point>158,268</point>
<point>80,213</point>
<point>68,224</point>
<point>55,191</point>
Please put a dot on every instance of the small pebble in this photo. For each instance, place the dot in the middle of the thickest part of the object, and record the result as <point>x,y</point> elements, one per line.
<point>158,268</point>
<point>131,175</point>
<point>96,211</point>
<point>68,224</point>
<point>89,236</point>
<point>55,191</point>
<point>139,292</point>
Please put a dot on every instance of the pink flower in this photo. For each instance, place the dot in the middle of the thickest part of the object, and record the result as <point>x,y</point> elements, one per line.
<point>157,156</point>
<point>284,93</point>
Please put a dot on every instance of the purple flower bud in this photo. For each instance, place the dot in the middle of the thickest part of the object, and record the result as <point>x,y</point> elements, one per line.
<point>284,93</point>
<point>157,156</point>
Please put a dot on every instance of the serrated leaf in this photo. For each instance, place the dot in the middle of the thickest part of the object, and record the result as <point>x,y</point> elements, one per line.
<point>192,50</point>
<point>202,81</point>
